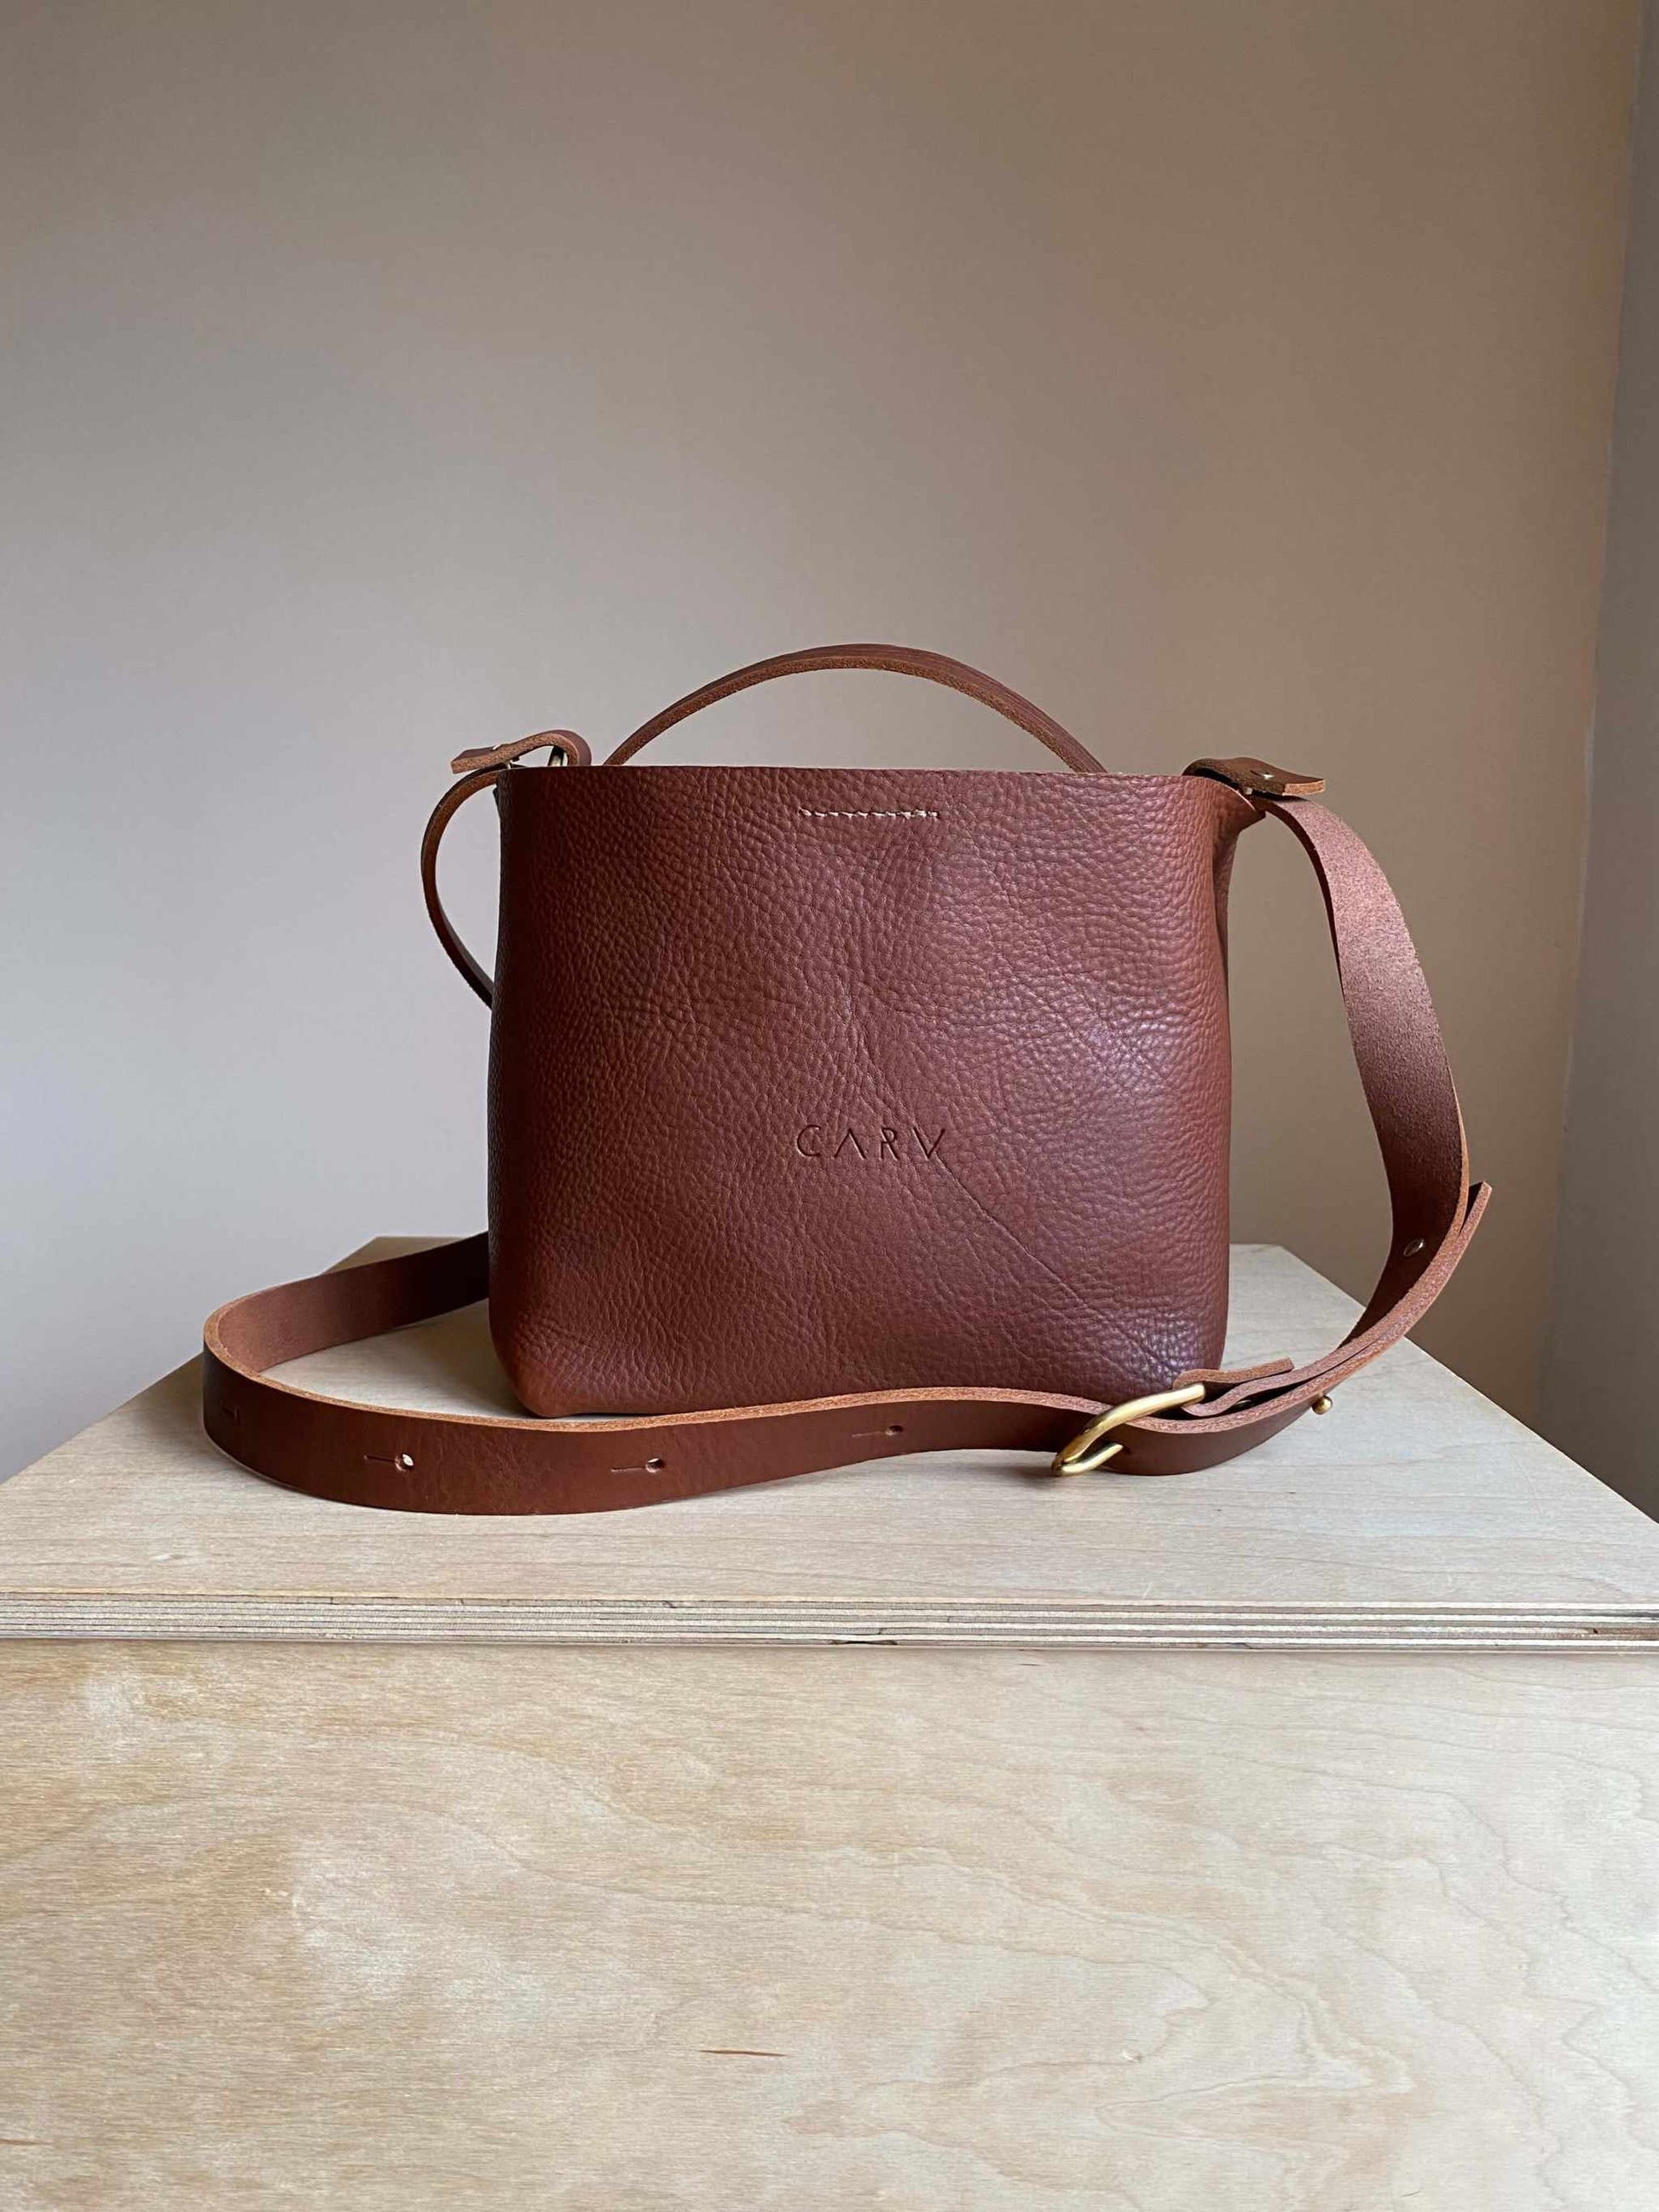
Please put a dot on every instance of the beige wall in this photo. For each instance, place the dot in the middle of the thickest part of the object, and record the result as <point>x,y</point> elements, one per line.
<point>1598,1398</point>
<point>386,379</point>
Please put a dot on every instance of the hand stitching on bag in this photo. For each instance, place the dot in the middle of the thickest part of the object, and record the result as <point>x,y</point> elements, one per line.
<point>871,813</point>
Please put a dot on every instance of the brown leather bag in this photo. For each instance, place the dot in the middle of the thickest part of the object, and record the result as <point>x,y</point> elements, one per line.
<point>884,1111</point>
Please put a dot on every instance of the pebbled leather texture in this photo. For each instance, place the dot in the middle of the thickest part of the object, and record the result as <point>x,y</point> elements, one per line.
<point>804,1082</point>
<point>835,1115</point>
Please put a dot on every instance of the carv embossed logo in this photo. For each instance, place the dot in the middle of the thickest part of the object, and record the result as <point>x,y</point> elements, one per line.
<point>853,1141</point>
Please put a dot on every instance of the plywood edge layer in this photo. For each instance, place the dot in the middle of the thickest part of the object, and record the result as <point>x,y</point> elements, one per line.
<point>88,1615</point>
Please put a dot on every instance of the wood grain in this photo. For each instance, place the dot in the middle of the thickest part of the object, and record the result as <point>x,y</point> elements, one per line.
<point>1415,1514</point>
<point>616,1931</point>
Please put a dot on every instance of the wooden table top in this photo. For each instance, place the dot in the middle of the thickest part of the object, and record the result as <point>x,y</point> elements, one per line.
<point>1416,1515</point>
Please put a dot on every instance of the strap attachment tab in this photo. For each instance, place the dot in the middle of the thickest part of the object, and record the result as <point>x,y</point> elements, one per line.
<point>573,753</point>
<point>1259,779</point>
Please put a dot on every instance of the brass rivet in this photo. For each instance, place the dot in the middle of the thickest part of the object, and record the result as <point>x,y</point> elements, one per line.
<point>403,1461</point>
<point>1320,1404</point>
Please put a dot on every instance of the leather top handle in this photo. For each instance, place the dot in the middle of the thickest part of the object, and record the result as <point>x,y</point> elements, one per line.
<point>894,660</point>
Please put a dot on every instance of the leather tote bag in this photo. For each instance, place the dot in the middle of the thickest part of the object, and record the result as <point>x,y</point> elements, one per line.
<point>840,1114</point>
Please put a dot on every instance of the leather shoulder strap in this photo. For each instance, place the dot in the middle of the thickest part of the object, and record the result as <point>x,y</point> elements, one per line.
<point>438,1462</point>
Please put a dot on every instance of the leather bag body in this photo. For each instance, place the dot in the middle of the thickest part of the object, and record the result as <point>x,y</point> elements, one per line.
<point>804,1082</point>
<point>837,1113</point>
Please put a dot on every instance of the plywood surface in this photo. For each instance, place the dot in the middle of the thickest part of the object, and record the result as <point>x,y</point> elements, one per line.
<point>608,1931</point>
<point>1416,1512</point>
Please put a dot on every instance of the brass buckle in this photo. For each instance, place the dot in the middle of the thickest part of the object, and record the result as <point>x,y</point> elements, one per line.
<point>1085,1454</point>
